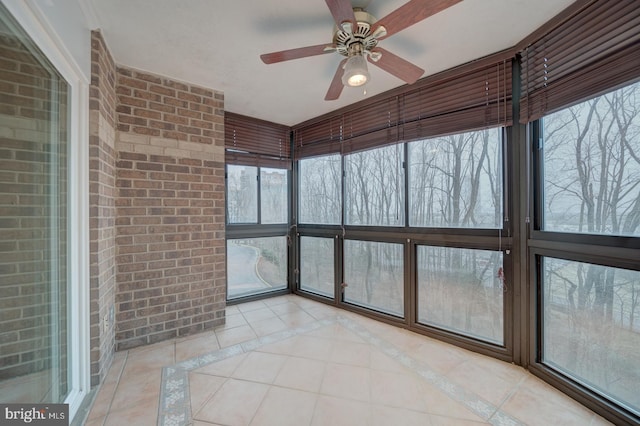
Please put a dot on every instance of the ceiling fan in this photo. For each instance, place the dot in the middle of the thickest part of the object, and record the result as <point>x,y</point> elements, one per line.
<point>356,37</point>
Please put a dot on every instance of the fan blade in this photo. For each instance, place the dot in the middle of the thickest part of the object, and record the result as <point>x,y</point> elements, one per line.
<point>410,13</point>
<point>342,12</point>
<point>397,66</point>
<point>300,52</point>
<point>336,84</point>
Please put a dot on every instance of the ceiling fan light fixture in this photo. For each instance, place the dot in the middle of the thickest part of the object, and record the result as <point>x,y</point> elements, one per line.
<point>355,71</point>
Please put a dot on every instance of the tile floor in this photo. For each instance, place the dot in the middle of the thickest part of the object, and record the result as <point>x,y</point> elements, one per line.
<point>292,361</point>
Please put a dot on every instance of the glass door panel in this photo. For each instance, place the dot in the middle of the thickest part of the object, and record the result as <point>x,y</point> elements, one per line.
<point>34,359</point>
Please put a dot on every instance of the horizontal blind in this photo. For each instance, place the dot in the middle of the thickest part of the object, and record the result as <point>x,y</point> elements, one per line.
<point>253,142</point>
<point>472,96</point>
<point>594,48</point>
<point>477,96</point>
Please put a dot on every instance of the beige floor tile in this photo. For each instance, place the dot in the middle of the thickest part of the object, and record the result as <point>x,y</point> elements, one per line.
<point>286,308</point>
<point>231,310</point>
<point>268,326</point>
<point>150,358</point>
<point>381,362</point>
<point>117,365</point>
<point>493,383</point>
<point>235,403</point>
<point>197,346</point>
<point>95,422</point>
<point>202,387</point>
<point>258,315</point>
<point>331,411</point>
<point>329,376</point>
<point>251,306</point>
<point>537,403</point>
<point>312,347</point>
<point>302,374</point>
<point>235,335</point>
<point>439,403</point>
<point>279,300</point>
<point>322,312</point>
<point>297,319</point>
<point>284,347</point>
<point>233,321</point>
<point>102,403</point>
<point>404,340</point>
<point>136,415</point>
<point>351,353</point>
<point>223,368</point>
<point>137,389</point>
<point>260,367</point>
<point>386,416</point>
<point>346,381</point>
<point>397,390</point>
<point>336,332</point>
<point>440,356</point>
<point>285,407</point>
<point>453,421</point>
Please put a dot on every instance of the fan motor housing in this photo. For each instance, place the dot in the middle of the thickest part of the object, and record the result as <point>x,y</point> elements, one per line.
<point>361,34</point>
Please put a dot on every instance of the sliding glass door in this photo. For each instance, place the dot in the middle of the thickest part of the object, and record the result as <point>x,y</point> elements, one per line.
<point>35,291</point>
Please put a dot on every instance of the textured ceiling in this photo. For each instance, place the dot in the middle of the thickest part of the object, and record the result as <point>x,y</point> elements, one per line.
<point>217,44</point>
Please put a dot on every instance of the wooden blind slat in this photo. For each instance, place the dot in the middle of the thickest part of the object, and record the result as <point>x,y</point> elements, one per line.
<point>473,96</point>
<point>595,48</point>
<point>258,137</point>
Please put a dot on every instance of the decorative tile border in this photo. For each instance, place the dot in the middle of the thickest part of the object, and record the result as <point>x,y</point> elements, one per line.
<point>175,403</point>
<point>473,402</point>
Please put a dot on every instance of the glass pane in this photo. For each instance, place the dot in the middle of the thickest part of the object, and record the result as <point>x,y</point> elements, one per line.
<point>317,265</point>
<point>462,290</point>
<point>242,194</point>
<point>375,187</point>
<point>273,196</point>
<point>374,274</point>
<point>256,265</point>
<point>592,165</point>
<point>456,181</point>
<point>34,347</point>
<point>319,190</point>
<point>591,326</point>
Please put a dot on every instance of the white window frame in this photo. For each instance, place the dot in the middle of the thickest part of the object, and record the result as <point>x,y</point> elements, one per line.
<point>35,25</point>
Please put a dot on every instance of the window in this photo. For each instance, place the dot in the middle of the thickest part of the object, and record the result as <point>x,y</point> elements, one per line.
<point>462,290</point>
<point>256,252</point>
<point>456,181</point>
<point>317,265</point>
<point>592,166</point>
<point>256,265</point>
<point>320,180</point>
<point>242,194</point>
<point>375,187</point>
<point>588,207</point>
<point>273,196</point>
<point>374,275</point>
<point>591,326</point>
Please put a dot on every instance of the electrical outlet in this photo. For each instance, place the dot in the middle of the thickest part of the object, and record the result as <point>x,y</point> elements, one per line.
<point>105,323</point>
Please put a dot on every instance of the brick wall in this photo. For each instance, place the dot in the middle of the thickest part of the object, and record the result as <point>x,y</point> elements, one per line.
<point>170,209</point>
<point>102,211</point>
<point>26,231</point>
